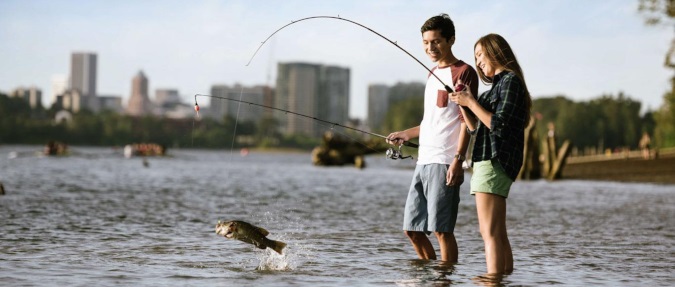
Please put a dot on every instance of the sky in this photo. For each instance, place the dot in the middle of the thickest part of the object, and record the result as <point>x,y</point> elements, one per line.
<point>579,49</point>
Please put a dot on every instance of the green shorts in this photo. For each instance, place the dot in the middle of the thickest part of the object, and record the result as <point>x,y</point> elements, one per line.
<point>489,177</point>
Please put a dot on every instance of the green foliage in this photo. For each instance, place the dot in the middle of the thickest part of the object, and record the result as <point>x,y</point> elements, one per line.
<point>664,118</point>
<point>404,114</point>
<point>662,13</point>
<point>605,122</point>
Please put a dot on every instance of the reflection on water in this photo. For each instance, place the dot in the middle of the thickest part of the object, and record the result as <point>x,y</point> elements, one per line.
<point>95,218</point>
<point>428,273</point>
<point>491,280</point>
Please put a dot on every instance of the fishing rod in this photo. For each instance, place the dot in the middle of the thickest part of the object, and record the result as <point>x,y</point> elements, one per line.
<point>390,154</point>
<point>447,88</point>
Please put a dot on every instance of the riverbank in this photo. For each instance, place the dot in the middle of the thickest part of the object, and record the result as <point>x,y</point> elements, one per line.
<point>623,169</point>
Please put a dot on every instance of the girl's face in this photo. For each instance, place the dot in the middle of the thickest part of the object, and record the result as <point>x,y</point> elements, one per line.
<point>485,64</point>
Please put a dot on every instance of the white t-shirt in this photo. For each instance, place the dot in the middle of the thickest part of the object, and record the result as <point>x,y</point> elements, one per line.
<point>440,127</point>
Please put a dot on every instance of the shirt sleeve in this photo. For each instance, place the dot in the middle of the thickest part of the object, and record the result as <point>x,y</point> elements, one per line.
<point>470,79</point>
<point>510,99</point>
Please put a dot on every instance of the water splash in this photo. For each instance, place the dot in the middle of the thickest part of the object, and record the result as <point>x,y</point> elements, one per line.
<point>297,250</point>
<point>272,261</point>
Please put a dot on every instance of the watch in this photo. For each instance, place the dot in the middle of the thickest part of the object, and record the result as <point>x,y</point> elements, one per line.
<point>460,157</point>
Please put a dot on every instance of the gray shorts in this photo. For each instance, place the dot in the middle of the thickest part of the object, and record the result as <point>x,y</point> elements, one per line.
<point>431,205</point>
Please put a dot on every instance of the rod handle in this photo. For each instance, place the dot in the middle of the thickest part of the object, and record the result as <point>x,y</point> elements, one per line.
<point>413,145</point>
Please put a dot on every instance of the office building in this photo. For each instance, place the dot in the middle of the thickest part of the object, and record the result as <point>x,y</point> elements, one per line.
<point>83,73</point>
<point>313,90</point>
<point>139,102</point>
<point>59,86</point>
<point>378,105</point>
<point>221,108</point>
<point>32,95</point>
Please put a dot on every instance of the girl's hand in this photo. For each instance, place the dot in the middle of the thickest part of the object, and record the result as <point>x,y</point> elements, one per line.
<point>463,98</point>
<point>461,95</point>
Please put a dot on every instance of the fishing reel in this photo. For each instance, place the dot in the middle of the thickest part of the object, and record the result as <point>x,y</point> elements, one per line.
<point>395,154</point>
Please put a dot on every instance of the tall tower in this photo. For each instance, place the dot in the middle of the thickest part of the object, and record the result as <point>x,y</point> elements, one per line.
<point>139,102</point>
<point>378,104</point>
<point>83,73</point>
<point>314,90</point>
<point>297,91</point>
<point>83,78</point>
<point>334,94</point>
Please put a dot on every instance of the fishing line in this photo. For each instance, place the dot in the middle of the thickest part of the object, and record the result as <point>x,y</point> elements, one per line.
<point>236,120</point>
<point>447,88</point>
<point>410,144</point>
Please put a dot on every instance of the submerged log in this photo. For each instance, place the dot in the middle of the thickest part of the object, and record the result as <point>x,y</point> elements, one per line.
<point>554,158</point>
<point>559,161</point>
<point>531,165</point>
<point>548,164</point>
<point>337,150</point>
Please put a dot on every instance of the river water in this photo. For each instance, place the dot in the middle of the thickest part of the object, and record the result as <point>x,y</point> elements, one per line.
<point>96,218</point>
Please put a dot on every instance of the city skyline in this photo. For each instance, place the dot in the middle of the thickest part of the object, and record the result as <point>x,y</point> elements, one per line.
<point>577,49</point>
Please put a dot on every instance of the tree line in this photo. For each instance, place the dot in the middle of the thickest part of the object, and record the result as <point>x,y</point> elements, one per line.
<point>607,122</point>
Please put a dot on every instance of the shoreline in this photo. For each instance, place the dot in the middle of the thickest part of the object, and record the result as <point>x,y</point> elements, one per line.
<point>660,170</point>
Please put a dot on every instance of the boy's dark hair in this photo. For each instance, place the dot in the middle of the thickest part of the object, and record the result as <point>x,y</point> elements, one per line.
<point>442,23</point>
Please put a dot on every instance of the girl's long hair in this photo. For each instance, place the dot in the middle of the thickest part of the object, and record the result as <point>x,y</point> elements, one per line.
<point>499,52</point>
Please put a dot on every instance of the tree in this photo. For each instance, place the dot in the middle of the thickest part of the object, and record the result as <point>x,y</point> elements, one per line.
<point>664,132</point>
<point>404,114</point>
<point>662,12</point>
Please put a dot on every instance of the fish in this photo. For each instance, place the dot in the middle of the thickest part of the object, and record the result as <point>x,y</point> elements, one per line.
<point>249,233</point>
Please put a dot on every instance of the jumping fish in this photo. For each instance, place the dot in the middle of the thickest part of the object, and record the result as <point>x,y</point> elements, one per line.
<point>248,233</point>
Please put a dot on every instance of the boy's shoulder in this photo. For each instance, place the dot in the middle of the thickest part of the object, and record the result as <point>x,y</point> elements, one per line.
<point>462,66</point>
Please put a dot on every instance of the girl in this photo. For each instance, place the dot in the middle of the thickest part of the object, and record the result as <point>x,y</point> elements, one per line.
<point>498,119</point>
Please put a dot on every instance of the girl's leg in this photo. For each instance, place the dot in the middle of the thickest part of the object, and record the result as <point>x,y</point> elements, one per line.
<point>492,221</point>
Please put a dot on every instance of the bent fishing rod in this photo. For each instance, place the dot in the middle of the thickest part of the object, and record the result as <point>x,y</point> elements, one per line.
<point>447,88</point>
<point>406,143</point>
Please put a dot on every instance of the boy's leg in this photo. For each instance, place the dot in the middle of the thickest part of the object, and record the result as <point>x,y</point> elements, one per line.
<point>448,244</point>
<point>422,245</point>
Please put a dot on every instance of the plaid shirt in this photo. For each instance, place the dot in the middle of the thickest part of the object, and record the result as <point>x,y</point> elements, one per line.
<point>505,141</point>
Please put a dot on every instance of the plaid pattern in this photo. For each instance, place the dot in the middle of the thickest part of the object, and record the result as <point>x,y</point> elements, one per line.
<point>505,141</point>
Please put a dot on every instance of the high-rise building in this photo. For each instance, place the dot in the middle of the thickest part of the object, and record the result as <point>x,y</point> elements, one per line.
<point>83,78</point>
<point>110,103</point>
<point>297,91</point>
<point>166,96</point>
<point>139,102</point>
<point>219,108</point>
<point>59,86</point>
<point>378,104</point>
<point>32,95</point>
<point>83,73</point>
<point>333,95</point>
<point>72,100</point>
<point>313,90</point>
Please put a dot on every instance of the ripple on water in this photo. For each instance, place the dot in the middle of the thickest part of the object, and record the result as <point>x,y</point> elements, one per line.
<point>108,221</point>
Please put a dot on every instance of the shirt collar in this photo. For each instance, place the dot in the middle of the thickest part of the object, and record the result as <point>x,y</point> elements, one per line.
<point>499,76</point>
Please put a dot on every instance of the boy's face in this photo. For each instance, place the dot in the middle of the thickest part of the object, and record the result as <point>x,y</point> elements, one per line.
<point>436,46</point>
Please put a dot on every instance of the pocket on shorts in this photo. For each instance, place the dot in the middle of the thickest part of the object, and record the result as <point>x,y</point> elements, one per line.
<point>442,99</point>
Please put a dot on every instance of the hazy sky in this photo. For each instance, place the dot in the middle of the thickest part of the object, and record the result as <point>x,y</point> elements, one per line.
<point>580,49</point>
